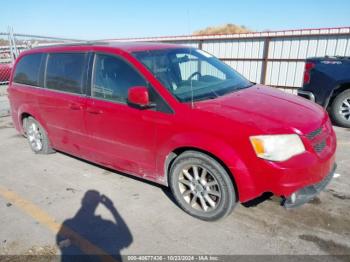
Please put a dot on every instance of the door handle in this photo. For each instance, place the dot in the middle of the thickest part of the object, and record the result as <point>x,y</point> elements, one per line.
<point>74,106</point>
<point>94,111</point>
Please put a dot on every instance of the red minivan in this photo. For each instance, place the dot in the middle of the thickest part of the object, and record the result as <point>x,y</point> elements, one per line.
<point>177,116</point>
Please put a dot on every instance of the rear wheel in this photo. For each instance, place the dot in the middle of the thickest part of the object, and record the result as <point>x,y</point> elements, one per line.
<point>340,109</point>
<point>201,186</point>
<point>37,137</point>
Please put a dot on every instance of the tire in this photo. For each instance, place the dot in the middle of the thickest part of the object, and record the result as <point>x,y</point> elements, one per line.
<point>340,109</point>
<point>215,188</point>
<point>37,136</point>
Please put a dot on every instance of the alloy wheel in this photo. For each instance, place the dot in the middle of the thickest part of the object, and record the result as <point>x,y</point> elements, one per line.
<point>345,109</point>
<point>199,188</point>
<point>34,137</point>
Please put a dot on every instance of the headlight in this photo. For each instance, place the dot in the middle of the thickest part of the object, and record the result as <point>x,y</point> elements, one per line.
<point>277,147</point>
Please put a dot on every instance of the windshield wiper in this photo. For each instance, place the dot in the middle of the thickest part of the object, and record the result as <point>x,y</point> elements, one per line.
<point>235,89</point>
<point>205,98</point>
<point>251,84</point>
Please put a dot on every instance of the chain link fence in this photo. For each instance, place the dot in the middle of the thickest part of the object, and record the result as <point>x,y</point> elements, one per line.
<point>12,44</point>
<point>5,59</point>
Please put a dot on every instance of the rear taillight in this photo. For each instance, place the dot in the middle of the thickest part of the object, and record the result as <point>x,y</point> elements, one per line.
<point>308,67</point>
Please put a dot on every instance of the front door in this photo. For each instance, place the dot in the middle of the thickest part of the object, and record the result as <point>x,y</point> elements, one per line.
<point>121,136</point>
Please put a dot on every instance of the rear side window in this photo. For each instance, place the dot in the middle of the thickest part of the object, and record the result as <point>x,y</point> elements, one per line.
<point>65,72</point>
<point>113,77</point>
<point>27,70</point>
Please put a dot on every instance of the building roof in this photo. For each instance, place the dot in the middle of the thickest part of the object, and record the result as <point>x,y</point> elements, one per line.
<point>125,46</point>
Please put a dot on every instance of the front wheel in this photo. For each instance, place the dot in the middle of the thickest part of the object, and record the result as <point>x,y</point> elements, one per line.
<point>340,109</point>
<point>201,186</point>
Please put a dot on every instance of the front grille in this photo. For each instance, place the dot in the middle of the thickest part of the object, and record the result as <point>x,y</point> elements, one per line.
<point>318,143</point>
<point>320,146</point>
<point>314,134</point>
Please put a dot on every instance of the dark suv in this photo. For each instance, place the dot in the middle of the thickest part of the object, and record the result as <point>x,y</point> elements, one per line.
<point>327,82</point>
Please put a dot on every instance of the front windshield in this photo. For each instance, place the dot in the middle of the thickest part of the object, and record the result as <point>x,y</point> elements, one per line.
<point>190,73</point>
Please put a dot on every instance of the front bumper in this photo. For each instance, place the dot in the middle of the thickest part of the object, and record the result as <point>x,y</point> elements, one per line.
<point>308,193</point>
<point>306,94</point>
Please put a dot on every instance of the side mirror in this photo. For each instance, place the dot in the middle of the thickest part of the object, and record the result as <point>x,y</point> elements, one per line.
<point>138,97</point>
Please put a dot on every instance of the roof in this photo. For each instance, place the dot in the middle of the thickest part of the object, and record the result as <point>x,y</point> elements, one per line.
<point>125,46</point>
<point>280,33</point>
<point>142,46</point>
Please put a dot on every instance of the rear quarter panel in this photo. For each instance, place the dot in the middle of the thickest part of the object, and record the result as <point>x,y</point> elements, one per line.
<point>23,100</point>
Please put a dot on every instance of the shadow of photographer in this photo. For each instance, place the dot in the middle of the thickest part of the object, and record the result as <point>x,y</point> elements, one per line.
<point>91,236</point>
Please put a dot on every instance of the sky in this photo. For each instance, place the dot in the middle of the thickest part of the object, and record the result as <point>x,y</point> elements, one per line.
<point>101,19</point>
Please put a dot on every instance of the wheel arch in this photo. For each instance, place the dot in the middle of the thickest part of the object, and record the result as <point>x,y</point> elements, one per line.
<point>22,117</point>
<point>215,147</point>
<point>28,111</point>
<point>170,159</point>
<point>341,87</point>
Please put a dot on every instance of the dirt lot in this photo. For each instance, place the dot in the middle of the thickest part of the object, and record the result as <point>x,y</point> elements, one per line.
<point>39,192</point>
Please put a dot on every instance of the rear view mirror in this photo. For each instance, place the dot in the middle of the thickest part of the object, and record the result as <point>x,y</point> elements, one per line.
<point>138,97</point>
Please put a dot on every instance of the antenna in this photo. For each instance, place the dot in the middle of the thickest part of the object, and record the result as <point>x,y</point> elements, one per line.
<point>189,33</point>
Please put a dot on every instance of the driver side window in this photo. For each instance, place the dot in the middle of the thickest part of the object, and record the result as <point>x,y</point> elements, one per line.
<point>113,77</point>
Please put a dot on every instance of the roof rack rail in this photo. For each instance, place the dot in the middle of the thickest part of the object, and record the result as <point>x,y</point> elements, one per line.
<point>85,43</point>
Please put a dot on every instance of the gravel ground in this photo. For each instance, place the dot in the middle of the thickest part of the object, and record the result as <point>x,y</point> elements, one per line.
<point>4,103</point>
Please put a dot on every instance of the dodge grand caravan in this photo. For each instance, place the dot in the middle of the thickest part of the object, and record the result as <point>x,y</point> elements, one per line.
<point>177,116</point>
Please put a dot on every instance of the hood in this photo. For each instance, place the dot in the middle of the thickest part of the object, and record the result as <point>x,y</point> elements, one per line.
<point>267,109</point>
